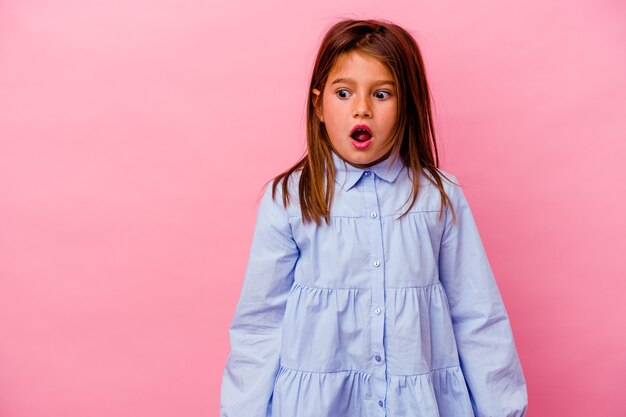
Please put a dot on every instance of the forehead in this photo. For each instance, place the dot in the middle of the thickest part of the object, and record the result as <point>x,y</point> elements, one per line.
<point>360,64</point>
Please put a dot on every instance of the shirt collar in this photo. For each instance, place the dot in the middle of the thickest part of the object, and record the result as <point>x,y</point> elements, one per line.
<point>347,175</point>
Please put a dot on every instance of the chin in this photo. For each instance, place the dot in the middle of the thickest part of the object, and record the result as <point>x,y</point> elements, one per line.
<point>363,160</point>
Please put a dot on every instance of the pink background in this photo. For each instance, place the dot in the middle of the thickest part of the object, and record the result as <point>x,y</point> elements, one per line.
<point>135,137</point>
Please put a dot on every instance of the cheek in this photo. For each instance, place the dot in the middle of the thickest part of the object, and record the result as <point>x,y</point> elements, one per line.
<point>389,118</point>
<point>332,119</point>
<point>334,130</point>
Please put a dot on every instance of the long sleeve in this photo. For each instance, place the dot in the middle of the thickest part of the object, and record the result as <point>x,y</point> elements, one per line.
<point>486,347</point>
<point>256,328</point>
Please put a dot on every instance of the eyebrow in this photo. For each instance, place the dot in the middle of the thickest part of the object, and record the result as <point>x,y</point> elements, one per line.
<point>351,81</point>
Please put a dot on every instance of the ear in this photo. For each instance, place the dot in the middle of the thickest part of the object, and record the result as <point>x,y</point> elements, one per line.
<point>317,104</point>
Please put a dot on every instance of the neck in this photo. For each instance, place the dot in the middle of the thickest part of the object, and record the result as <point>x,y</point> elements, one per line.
<point>382,158</point>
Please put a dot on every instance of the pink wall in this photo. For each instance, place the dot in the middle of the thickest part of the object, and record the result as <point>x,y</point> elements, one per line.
<point>126,126</point>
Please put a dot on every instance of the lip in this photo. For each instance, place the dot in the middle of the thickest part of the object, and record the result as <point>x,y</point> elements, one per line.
<point>361,145</point>
<point>361,126</point>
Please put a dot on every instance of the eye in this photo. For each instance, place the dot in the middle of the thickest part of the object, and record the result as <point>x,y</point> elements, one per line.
<point>383,92</point>
<point>339,92</point>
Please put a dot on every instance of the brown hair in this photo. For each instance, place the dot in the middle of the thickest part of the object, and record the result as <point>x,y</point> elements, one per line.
<point>414,137</point>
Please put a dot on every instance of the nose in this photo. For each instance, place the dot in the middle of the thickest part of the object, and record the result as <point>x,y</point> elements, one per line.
<point>362,106</point>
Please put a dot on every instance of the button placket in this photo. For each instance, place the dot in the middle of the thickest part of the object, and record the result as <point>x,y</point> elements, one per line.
<point>377,320</point>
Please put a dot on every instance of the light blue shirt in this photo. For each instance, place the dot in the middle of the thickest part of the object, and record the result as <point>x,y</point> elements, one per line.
<point>369,315</point>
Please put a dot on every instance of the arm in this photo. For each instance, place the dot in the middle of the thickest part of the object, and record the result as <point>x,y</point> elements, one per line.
<point>487,352</point>
<point>256,328</point>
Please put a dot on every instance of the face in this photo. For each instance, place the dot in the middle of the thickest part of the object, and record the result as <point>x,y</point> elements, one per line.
<point>359,91</point>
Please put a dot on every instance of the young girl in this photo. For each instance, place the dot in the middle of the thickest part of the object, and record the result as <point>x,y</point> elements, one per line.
<point>368,291</point>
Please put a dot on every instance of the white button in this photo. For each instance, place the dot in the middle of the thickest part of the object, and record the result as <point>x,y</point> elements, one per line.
<point>373,215</point>
<point>376,263</point>
<point>367,173</point>
<point>377,310</point>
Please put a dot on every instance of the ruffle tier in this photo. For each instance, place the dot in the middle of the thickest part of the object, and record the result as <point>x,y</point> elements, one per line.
<point>438,393</point>
<point>330,330</point>
<point>327,358</point>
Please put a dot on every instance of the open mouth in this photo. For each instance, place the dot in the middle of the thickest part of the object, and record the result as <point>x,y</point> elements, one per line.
<point>361,139</point>
<point>361,135</point>
<point>361,132</point>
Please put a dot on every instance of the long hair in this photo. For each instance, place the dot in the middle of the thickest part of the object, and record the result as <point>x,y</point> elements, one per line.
<point>414,137</point>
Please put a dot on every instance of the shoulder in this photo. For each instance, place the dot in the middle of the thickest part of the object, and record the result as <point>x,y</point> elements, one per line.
<point>451,184</point>
<point>449,181</point>
<point>272,200</point>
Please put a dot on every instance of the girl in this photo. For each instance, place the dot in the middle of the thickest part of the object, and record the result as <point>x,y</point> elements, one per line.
<point>353,303</point>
